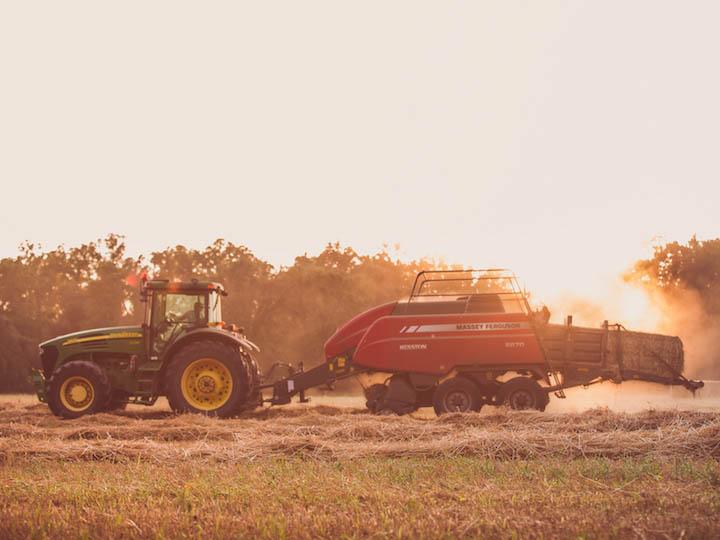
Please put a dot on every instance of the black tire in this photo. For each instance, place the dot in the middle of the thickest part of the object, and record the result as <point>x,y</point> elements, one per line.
<point>117,406</point>
<point>374,395</point>
<point>253,380</point>
<point>457,395</point>
<point>78,376</point>
<point>523,393</point>
<point>232,394</point>
<point>117,402</point>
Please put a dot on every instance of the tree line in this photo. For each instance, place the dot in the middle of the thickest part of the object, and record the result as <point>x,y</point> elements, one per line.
<point>289,311</point>
<point>685,277</point>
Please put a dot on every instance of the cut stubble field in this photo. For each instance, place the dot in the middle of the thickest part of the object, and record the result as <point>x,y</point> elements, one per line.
<point>329,471</point>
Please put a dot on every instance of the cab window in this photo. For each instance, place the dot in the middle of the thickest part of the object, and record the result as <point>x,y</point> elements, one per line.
<point>174,312</point>
<point>176,308</point>
<point>185,308</point>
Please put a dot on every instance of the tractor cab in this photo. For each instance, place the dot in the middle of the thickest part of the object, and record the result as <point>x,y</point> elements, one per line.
<point>175,308</point>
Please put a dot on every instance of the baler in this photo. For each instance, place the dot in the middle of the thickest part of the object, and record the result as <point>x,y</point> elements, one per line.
<point>468,338</point>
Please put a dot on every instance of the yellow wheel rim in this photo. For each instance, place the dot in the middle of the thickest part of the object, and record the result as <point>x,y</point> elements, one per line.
<point>206,384</point>
<point>77,394</point>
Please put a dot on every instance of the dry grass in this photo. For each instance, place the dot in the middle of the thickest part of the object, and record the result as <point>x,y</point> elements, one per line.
<point>338,433</point>
<point>310,472</point>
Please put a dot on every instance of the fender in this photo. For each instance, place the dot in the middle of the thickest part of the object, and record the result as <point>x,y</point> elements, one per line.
<point>211,333</point>
<point>249,344</point>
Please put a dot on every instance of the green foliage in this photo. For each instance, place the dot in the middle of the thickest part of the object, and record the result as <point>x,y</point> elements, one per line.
<point>686,278</point>
<point>677,267</point>
<point>45,294</point>
<point>289,312</point>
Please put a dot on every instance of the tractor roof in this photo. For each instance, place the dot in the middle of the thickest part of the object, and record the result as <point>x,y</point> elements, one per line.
<point>184,286</point>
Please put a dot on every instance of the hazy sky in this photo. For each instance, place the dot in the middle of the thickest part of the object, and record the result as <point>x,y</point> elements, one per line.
<point>556,138</point>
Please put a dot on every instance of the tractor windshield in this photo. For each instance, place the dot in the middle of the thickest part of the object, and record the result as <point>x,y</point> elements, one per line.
<point>185,308</point>
<point>174,312</point>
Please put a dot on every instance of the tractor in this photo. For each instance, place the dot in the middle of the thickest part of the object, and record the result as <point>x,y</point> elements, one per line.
<point>183,350</point>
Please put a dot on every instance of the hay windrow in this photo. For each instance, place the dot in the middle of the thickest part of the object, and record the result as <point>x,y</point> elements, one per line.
<point>341,433</point>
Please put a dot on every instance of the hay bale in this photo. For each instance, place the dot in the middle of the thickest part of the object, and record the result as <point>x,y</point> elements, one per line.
<point>644,353</point>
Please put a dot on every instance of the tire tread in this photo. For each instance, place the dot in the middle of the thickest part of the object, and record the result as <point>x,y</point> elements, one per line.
<point>93,372</point>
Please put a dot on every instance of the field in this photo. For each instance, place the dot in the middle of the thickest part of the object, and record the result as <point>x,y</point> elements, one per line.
<point>334,471</point>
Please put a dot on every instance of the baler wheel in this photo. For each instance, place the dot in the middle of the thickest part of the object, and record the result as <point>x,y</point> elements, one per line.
<point>374,395</point>
<point>523,393</point>
<point>457,395</point>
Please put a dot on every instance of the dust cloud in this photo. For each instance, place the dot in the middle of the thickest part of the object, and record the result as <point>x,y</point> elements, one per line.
<point>683,314</point>
<point>629,396</point>
<point>635,396</point>
<point>652,310</point>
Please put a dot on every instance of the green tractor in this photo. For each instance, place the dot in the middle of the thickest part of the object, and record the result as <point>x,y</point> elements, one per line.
<point>183,350</point>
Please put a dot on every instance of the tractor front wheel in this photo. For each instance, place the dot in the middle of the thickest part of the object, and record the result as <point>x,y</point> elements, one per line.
<point>78,388</point>
<point>207,377</point>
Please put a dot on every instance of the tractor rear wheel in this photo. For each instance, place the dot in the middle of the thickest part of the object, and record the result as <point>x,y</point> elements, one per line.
<point>78,388</point>
<point>522,393</point>
<point>207,377</point>
<point>457,395</point>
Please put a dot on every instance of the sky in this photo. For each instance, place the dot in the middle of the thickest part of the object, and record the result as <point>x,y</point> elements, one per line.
<point>559,139</point>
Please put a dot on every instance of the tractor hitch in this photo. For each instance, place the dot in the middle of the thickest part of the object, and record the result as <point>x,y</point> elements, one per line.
<point>298,382</point>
